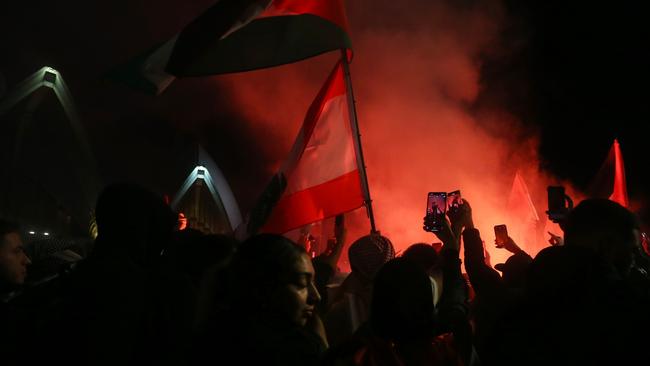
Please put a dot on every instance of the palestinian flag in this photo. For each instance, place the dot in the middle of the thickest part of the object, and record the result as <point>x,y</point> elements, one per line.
<point>241,35</point>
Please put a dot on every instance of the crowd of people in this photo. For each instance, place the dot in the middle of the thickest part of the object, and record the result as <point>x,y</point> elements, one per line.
<point>147,293</point>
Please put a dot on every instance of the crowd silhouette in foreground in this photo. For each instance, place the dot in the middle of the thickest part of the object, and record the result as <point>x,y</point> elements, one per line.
<point>145,293</point>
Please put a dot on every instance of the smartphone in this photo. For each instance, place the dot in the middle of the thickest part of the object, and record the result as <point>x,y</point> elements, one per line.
<point>557,203</point>
<point>436,209</point>
<point>501,234</point>
<point>453,201</point>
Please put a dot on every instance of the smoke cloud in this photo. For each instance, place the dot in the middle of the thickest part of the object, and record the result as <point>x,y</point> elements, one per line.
<point>417,74</point>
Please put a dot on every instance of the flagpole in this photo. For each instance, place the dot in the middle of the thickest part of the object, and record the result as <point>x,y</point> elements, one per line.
<point>357,141</point>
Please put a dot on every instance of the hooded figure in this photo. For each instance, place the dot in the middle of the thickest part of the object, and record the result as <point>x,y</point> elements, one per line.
<point>352,308</point>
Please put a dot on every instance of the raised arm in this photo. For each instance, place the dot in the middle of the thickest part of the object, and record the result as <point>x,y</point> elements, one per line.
<point>450,230</point>
<point>484,279</point>
<point>335,246</point>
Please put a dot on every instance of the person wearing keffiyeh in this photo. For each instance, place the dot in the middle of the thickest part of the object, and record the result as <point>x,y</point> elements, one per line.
<point>352,307</point>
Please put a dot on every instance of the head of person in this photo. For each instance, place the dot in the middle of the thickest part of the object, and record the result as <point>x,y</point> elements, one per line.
<point>273,277</point>
<point>514,270</point>
<point>423,255</point>
<point>368,253</point>
<point>402,307</point>
<point>565,276</point>
<point>608,229</point>
<point>133,219</point>
<point>196,254</point>
<point>13,260</point>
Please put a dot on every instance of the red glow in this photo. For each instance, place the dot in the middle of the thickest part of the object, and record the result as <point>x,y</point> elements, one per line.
<point>610,182</point>
<point>331,10</point>
<point>418,134</point>
<point>182,221</point>
<point>524,216</point>
<point>619,192</point>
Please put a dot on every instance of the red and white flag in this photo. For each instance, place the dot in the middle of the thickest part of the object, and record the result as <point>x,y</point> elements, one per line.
<point>322,174</point>
<point>523,215</point>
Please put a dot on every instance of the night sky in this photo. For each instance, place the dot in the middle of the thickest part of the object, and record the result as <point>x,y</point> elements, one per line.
<point>585,66</point>
<point>573,73</point>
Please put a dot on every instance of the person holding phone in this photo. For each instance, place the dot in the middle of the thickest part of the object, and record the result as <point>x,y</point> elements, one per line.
<point>585,302</point>
<point>350,307</point>
<point>453,305</point>
<point>406,326</point>
<point>494,298</point>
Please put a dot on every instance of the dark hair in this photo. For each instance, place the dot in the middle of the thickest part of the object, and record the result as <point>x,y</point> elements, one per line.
<point>514,270</point>
<point>7,227</point>
<point>402,302</point>
<point>565,274</point>
<point>605,227</point>
<point>260,264</point>
<point>128,213</point>
<point>194,253</point>
<point>423,255</point>
<point>123,207</point>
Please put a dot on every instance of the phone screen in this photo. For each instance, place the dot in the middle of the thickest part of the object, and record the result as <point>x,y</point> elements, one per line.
<point>453,201</point>
<point>501,234</point>
<point>437,203</point>
<point>436,209</point>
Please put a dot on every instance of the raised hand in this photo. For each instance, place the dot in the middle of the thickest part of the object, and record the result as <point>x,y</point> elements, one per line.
<point>461,218</point>
<point>509,245</point>
<point>555,240</point>
<point>335,244</point>
<point>444,232</point>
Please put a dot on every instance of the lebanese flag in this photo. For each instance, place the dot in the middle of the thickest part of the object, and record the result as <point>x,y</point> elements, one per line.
<point>322,175</point>
<point>610,182</point>
<point>523,216</point>
<point>241,35</point>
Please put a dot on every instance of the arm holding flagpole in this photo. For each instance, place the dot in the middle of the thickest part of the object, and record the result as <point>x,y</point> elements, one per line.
<point>357,141</point>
